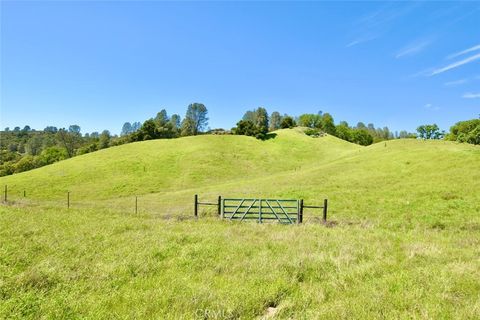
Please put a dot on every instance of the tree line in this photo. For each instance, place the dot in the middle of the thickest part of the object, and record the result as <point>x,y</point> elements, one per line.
<point>258,123</point>
<point>26,149</point>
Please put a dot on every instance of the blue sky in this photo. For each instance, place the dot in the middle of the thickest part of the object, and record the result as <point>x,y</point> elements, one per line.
<point>99,64</point>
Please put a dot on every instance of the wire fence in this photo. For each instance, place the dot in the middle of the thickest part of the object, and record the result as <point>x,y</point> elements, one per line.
<point>183,206</point>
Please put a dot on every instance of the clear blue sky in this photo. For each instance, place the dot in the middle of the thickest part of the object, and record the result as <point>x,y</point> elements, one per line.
<point>99,64</point>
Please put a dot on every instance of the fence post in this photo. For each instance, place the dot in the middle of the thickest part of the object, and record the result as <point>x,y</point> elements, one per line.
<point>195,206</point>
<point>301,211</point>
<point>24,193</point>
<point>219,205</point>
<point>260,210</point>
<point>5,194</point>
<point>298,211</point>
<point>325,206</point>
<point>222,215</point>
<point>68,199</point>
<point>136,205</point>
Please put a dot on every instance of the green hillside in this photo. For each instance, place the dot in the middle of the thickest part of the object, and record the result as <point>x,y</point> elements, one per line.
<point>402,241</point>
<point>400,179</point>
<point>170,165</point>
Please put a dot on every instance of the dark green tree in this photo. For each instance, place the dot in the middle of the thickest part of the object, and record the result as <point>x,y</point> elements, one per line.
<point>287,122</point>
<point>343,131</point>
<point>465,131</point>
<point>429,131</point>
<point>328,124</point>
<point>195,119</point>
<point>361,137</point>
<point>161,119</point>
<point>104,139</point>
<point>310,120</point>
<point>261,122</point>
<point>245,127</point>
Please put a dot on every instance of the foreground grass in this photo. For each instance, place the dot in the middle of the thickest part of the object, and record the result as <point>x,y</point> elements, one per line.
<point>86,263</point>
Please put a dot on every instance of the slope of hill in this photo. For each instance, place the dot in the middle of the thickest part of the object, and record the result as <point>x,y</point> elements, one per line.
<point>170,165</point>
<point>403,242</point>
<point>404,180</point>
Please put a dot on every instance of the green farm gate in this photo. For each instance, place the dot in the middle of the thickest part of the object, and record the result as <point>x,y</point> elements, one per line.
<point>287,211</point>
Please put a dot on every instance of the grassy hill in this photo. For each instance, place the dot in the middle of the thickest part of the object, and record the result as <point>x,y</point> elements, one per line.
<point>403,242</point>
<point>170,165</point>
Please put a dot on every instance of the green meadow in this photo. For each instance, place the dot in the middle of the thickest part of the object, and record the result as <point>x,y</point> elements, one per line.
<point>402,242</point>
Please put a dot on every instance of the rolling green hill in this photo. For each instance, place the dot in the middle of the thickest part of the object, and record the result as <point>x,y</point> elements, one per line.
<point>171,165</point>
<point>403,241</point>
<point>400,179</point>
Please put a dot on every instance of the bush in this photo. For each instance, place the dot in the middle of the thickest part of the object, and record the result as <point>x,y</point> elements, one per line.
<point>25,164</point>
<point>287,123</point>
<point>51,155</point>
<point>465,131</point>
<point>313,132</point>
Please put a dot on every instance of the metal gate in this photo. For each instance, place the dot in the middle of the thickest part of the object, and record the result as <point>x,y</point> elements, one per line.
<point>283,211</point>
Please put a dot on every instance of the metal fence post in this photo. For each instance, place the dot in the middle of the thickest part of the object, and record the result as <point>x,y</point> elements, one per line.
<point>136,204</point>
<point>195,206</point>
<point>301,211</point>
<point>260,210</point>
<point>219,205</point>
<point>5,194</point>
<point>298,211</point>
<point>68,199</point>
<point>325,206</point>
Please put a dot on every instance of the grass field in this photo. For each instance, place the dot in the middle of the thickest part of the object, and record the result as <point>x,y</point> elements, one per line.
<point>404,241</point>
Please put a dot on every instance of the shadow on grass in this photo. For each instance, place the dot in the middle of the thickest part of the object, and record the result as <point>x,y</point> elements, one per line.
<point>268,136</point>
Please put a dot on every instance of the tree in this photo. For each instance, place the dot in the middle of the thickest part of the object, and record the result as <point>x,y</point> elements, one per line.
<point>261,122</point>
<point>26,129</point>
<point>465,131</point>
<point>343,131</point>
<point>34,145</point>
<point>429,131</point>
<point>254,123</point>
<point>26,163</point>
<point>50,129</point>
<point>148,131</point>
<point>52,154</point>
<point>361,137</point>
<point>7,129</point>
<point>195,119</point>
<point>310,120</point>
<point>361,125</point>
<point>74,129</point>
<point>136,126</point>
<point>406,135</point>
<point>387,135</point>
<point>328,124</point>
<point>245,127</point>
<point>104,140</point>
<point>275,121</point>
<point>69,140</point>
<point>249,115</point>
<point>287,122</point>
<point>161,119</point>
<point>175,123</point>
<point>126,129</point>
